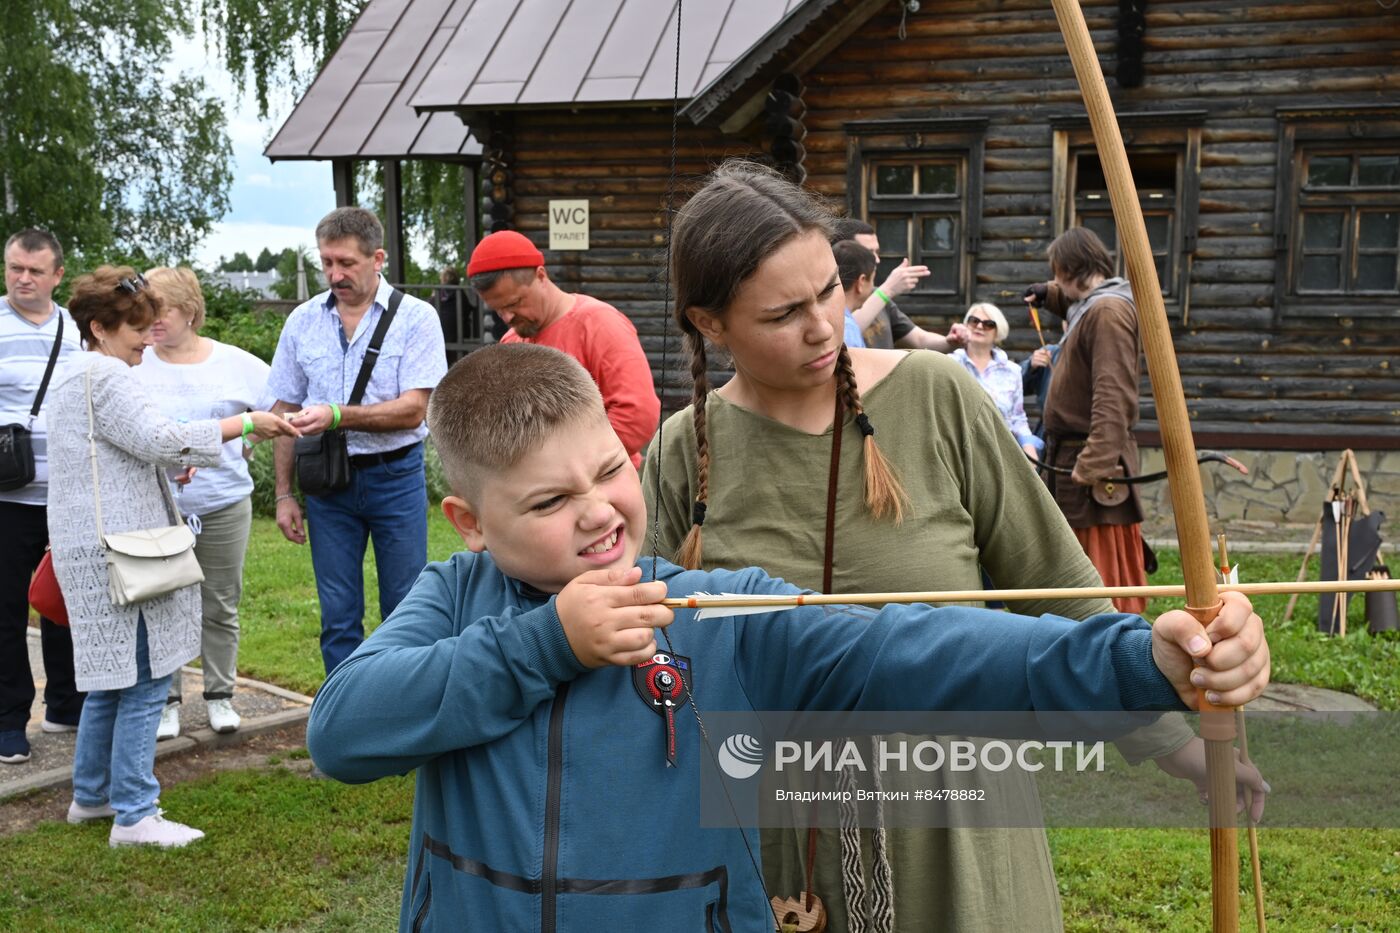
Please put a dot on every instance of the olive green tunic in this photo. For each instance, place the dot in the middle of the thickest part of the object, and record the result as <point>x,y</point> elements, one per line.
<point>974,500</point>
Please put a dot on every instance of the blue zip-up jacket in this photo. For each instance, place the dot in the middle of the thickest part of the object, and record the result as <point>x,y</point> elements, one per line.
<point>543,799</point>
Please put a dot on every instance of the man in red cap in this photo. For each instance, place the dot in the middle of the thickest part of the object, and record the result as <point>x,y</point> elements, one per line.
<point>507,271</point>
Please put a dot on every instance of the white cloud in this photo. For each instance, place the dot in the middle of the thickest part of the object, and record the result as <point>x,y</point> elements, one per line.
<point>230,237</point>
<point>259,180</point>
<point>248,136</point>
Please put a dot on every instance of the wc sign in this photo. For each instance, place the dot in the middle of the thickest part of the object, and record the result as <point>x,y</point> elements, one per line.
<point>568,225</point>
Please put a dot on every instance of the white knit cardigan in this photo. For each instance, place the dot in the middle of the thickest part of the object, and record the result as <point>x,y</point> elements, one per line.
<point>134,443</point>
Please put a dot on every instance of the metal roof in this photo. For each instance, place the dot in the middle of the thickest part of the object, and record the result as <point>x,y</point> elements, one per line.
<point>806,34</point>
<point>358,106</point>
<point>522,53</point>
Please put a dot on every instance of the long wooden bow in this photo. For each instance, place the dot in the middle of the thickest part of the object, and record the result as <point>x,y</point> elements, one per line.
<point>1179,447</point>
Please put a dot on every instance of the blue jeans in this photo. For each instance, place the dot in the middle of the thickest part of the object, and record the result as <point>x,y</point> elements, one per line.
<point>387,502</point>
<point>115,757</point>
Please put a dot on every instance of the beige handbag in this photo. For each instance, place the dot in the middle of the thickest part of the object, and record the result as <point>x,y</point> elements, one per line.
<point>150,562</point>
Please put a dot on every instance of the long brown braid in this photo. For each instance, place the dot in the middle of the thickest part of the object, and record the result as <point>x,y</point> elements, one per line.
<point>884,494</point>
<point>688,555</point>
<point>742,215</point>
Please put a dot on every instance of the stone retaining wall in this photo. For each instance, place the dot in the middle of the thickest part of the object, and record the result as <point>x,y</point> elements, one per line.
<point>1279,502</point>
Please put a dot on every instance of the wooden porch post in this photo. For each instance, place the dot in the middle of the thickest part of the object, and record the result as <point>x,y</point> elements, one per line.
<point>469,215</point>
<point>343,177</point>
<point>394,269</point>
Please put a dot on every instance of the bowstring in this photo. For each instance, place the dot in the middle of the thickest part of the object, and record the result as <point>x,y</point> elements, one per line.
<point>686,680</point>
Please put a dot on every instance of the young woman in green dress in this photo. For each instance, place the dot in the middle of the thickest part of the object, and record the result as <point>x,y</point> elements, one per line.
<point>928,487</point>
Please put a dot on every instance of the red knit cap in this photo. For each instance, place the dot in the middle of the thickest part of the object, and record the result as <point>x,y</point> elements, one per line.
<point>504,249</point>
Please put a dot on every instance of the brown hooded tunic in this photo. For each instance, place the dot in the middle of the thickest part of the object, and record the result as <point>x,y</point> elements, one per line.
<point>1093,403</point>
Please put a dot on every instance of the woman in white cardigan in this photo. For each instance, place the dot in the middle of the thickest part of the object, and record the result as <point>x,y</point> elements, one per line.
<point>123,655</point>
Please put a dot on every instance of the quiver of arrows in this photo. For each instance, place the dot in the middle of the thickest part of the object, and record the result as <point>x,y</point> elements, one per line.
<point>1381,614</point>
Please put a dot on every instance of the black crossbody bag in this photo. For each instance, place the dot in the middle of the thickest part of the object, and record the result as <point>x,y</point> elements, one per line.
<point>323,460</point>
<point>16,440</point>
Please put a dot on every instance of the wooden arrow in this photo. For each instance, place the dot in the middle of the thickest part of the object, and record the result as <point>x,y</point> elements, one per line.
<point>716,605</point>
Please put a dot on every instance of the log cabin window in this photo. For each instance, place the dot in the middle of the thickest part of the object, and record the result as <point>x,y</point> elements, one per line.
<point>1337,212</point>
<point>1348,223</point>
<point>1164,155</point>
<point>917,211</point>
<point>919,184</point>
<point>1156,176</point>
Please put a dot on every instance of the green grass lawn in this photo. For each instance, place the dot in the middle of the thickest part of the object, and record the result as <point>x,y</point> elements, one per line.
<point>288,853</point>
<point>283,852</point>
<point>280,617</point>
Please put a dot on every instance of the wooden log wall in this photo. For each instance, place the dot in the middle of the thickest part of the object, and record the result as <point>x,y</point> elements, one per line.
<point>1239,61</point>
<point>619,160</point>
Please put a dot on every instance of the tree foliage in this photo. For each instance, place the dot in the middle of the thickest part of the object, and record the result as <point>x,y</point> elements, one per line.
<point>96,144</point>
<point>286,265</point>
<point>276,45</point>
<point>240,262</point>
<point>433,208</point>
<point>282,46</point>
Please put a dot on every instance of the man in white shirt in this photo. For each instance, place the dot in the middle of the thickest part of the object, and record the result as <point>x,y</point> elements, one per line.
<point>319,355</point>
<point>29,327</point>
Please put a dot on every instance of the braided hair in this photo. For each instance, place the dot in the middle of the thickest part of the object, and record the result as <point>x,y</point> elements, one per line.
<point>742,215</point>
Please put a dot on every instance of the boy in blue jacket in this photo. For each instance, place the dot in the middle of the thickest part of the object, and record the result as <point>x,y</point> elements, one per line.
<point>506,677</point>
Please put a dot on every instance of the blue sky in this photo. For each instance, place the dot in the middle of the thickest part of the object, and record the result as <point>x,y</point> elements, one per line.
<point>271,204</point>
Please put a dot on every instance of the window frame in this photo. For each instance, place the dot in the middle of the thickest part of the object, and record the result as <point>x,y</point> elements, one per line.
<point>1305,132</point>
<point>871,143</point>
<point>1178,134</point>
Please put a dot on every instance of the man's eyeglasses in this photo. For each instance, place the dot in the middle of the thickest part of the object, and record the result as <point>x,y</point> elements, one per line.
<point>132,285</point>
<point>980,323</point>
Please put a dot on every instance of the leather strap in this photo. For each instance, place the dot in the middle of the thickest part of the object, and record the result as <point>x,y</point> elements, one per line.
<point>833,476</point>
<point>837,428</point>
<point>811,864</point>
<point>48,371</point>
<point>372,351</point>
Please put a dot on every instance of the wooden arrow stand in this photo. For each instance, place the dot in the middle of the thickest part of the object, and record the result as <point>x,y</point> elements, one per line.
<point>1346,468</point>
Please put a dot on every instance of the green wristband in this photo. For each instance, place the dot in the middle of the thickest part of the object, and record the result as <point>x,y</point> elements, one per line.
<point>247,425</point>
<point>335,416</point>
<point>880,292</point>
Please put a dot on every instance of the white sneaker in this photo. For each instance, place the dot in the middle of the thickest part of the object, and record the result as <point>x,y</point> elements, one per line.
<point>154,830</point>
<point>222,718</point>
<point>77,813</point>
<point>169,722</point>
<point>57,728</point>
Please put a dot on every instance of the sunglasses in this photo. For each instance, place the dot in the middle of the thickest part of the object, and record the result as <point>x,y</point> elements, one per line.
<point>980,323</point>
<point>132,285</point>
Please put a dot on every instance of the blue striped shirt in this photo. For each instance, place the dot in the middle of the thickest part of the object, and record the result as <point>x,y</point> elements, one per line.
<point>24,353</point>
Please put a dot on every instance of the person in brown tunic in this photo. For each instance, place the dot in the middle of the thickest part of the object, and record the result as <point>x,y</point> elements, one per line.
<point>1093,405</point>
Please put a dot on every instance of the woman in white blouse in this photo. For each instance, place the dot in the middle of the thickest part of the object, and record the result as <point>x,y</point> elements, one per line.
<point>123,655</point>
<point>191,377</point>
<point>989,365</point>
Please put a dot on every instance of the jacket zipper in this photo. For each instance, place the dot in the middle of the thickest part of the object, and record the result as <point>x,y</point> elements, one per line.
<point>422,915</point>
<point>549,871</point>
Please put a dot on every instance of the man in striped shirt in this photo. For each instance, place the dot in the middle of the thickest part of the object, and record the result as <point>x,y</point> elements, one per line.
<point>29,321</point>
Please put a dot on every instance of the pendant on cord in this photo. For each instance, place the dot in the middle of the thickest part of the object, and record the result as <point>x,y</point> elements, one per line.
<point>663,683</point>
<point>802,914</point>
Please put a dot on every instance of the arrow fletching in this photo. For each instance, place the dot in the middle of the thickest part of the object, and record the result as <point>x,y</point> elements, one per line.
<point>751,604</point>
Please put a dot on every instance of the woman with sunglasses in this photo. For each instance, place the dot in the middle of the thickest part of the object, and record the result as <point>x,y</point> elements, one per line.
<point>123,655</point>
<point>991,367</point>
